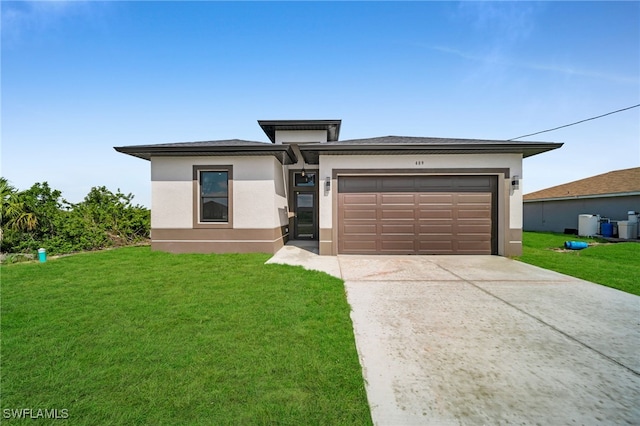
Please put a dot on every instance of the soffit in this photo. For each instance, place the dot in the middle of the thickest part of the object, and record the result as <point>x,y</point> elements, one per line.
<point>400,145</point>
<point>271,126</point>
<point>233,147</point>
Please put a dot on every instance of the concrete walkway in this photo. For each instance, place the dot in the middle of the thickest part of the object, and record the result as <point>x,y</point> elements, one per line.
<point>487,340</point>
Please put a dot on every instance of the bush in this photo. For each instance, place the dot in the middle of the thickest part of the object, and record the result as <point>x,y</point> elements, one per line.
<point>103,219</point>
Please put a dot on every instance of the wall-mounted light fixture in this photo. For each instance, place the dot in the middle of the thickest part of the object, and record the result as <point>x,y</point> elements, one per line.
<point>303,174</point>
<point>327,184</point>
<point>515,182</point>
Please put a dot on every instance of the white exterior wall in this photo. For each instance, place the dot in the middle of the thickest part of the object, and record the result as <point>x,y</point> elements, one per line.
<point>258,191</point>
<point>300,136</point>
<point>420,162</point>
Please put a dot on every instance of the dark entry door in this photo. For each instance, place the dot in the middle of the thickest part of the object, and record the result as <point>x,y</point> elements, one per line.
<point>305,225</point>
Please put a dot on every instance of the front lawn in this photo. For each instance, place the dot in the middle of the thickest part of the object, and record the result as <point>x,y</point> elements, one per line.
<point>131,336</point>
<point>611,264</point>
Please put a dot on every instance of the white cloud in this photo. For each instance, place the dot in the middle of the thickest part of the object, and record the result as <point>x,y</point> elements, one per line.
<point>508,21</point>
<point>493,58</point>
<point>23,19</point>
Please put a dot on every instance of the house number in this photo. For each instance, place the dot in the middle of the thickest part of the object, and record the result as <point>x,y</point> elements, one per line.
<point>419,163</point>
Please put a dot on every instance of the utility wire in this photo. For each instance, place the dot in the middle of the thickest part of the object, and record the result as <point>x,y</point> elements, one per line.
<point>573,124</point>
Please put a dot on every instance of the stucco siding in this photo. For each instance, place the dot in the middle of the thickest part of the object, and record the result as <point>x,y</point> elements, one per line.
<point>422,163</point>
<point>255,195</point>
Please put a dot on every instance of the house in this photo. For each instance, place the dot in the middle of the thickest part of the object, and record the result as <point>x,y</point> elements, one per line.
<point>383,195</point>
<point>556,209</point>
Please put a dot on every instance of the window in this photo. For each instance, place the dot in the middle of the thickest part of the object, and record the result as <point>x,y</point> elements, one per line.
<point>304,179</point>
<point>212,195</point>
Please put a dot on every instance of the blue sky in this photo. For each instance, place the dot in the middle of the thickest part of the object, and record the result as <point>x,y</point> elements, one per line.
<point>81,77</point>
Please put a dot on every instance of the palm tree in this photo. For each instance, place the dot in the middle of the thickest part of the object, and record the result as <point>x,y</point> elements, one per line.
<point>14,213</point>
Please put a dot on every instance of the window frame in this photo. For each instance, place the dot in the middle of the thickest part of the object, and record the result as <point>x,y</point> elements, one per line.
<point>197,198</point>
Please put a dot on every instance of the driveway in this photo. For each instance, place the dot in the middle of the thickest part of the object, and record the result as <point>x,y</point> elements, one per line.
<point>485,340</point>
<point>488,340</point>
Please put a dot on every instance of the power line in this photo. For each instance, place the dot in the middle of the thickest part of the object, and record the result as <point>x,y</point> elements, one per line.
<point>573,124</point>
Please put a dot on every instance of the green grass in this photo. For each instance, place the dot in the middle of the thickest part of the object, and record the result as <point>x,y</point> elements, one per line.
<point>610,264</point>
<point>131,336</point>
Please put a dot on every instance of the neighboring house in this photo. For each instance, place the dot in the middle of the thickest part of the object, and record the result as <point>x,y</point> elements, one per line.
<point>385,195</point>
<point>611,195</point>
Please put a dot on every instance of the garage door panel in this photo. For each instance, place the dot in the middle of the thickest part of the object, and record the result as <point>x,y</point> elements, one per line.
<point>366,199</point>
<point>395,214</point>
<point>353,246</point>
<point>454,215</point>
<point>474,211</point>
<point>398,183</point>
<point>433,183</point>
<point>369,214</point>
<point>435,247</point>
<point>435,214</point>
<point>357,184</point>
<point>435,199</point>
<point>396,228</point>
<point>481,230</point>
<point>481,198</point>
<point>397,199</point>
<point>471,183</point>
<point>359,229</point>
<point>472,247</point>
<point>462,237</point>
<point>445,229</point>
<point>396,246</point>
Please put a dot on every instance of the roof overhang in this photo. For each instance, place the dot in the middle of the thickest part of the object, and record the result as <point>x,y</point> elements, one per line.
<point>282,153</point>
<point>271,126</point>
<point>311,152</point>
<point>582,197</point>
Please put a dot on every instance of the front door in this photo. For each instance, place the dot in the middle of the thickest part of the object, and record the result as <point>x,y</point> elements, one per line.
<point>305,223</point>
<point>304,204</point>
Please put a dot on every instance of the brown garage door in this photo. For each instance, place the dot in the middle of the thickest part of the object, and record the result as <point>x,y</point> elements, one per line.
<point>417,214</point>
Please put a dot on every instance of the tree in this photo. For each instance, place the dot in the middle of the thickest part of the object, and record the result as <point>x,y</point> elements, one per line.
<point>40,217</point>
<point>15,214</point>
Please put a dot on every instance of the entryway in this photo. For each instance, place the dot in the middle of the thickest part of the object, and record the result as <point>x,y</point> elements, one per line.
<point>304,204</point>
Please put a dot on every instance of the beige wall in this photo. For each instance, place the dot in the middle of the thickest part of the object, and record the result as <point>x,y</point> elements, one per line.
<point>509,200</point>
<point>260,194</point>
<point>259,197</point>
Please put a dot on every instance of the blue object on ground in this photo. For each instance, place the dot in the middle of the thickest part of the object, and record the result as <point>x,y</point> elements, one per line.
<point>606,229</point>
<point>575,245</point>
<point>42,255</point>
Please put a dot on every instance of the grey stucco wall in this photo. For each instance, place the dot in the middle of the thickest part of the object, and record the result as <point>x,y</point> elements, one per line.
<point>556,216</point>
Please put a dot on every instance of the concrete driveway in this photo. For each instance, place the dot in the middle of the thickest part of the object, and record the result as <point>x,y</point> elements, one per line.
<point>488,340</point>
<point>485,340</point>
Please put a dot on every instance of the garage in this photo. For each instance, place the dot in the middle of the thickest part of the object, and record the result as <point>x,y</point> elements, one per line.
<point>417,214</point>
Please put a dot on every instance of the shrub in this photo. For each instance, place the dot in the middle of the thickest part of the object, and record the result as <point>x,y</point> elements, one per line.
<point>102,219</point>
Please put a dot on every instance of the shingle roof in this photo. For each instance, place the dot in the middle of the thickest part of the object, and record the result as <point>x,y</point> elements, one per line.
<point>386,145</point>
<point>418,140</point>
<point>615,182</point>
